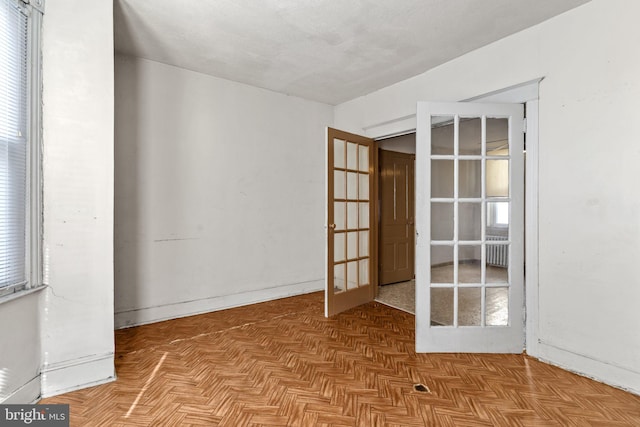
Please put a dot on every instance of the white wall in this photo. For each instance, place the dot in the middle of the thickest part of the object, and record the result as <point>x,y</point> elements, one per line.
<point>20,352</point>
<point>59,338</point>
<point>219,193</point>
<point>589,227</point>
<point>77,322</point>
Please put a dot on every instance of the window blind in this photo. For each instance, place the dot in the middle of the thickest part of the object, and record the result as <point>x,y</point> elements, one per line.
<point>13,143</point>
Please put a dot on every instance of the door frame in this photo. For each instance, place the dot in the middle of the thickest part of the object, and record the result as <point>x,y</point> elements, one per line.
<point>526,93</point>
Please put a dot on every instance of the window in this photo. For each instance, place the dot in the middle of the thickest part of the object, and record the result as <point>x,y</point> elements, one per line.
<point>20,122</point>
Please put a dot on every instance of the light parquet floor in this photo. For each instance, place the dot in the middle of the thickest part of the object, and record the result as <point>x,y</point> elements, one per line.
<point>281,363</point>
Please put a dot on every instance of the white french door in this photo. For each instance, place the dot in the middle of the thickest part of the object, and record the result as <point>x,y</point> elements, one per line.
<point>470,228</point>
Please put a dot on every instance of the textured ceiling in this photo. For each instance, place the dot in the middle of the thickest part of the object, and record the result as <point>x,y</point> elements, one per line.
<point>324,50</point>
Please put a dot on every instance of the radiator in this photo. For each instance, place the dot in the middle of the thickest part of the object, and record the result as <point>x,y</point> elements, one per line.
<point>497,255</point>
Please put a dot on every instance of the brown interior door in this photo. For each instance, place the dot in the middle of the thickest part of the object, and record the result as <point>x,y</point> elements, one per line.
<point>351,222</point>
<point>397,212</point>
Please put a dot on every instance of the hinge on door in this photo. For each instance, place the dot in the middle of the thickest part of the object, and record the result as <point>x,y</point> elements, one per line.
<point>524,125</point>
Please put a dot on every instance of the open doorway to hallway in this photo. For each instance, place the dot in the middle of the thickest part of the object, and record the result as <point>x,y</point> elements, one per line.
<point>396,201</point>
<point>396,231</point>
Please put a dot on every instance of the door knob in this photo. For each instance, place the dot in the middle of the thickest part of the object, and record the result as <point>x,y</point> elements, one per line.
<point>332,226</point>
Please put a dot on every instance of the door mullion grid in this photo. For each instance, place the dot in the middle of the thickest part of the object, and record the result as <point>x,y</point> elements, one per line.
<point>510,231</point>
<point>510,228</point>
<point>456,246</point>
<point>483,226</point>
<point>483,338</point>
<point>429,195</point>
<point>331,220</point>
<point>358,213</point>
<point>373,260</point>
<point>346,227</point>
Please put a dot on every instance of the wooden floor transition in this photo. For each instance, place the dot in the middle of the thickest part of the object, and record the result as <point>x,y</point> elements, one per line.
<point>281,363</point>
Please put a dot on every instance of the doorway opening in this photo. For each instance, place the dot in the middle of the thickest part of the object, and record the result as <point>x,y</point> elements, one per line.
<point>459,335</point>
<point>396,229</point>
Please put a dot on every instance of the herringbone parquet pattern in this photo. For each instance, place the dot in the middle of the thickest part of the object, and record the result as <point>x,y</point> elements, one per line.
<point>281,363</point>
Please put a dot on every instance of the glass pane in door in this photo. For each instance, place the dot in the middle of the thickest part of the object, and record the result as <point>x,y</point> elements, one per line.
<point>338,247</point>
<point>363,186</point>
<point>352,185</point>
<point>352,275</point>
<point>470,221</point>
<point>352,245</point>
<point>364,272</point>
<point>497,302</point>
<point>497,177</point>
<point>339,217</point>
<point>497,137</point>
<point>469,306</point>
<point>441,264</point>
<point>442,310</point>
<point>363,215</point>
<point>339,278</point>
<point>469,182</point>
<point>470,136</point>
<point>363,159</point>
<point>442,178</point>
<point>497,262</point>
<point>339,154</point>
<point>363,241</point>
<point>442,221</point>
<point>469,264</point>
<point>352,156</point>
<point>352,215</point>
<point>339,185</point>
<point>498,219</point>
<point>442,135</point>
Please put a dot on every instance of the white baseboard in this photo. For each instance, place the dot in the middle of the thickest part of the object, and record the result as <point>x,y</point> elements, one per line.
<point>586,366</point>
<point>142,316</point>
<point>27,394</point>
<point>76,374</point>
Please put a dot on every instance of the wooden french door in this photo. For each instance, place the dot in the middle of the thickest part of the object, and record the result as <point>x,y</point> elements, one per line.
<point>470,228</point>
<point>351,261</point>
<point>397,230</point>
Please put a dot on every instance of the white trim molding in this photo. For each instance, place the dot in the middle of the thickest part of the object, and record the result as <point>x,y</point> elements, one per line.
<point>392,128</point>
<point>71,375</point>
<point>27,394</point>
<point>36,4</point>
<point>616,376</point>
<point>142,316</point>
